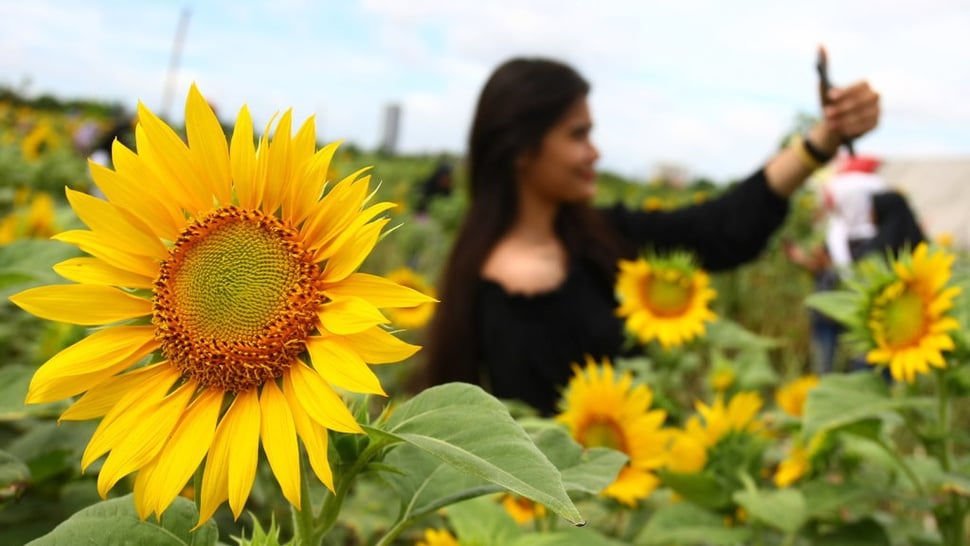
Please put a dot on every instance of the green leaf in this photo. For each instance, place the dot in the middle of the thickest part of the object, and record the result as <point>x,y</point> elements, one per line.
<point>14,476</point>
<point>115,523</point>
<point>569,536</point>
<point>29,262</point>
<point>701,488</point>
<point>726,333</point>
<point>865,532</point>
<point>472,431</point>
<point>685,523</point>
<point>14,381</point>
<point>827,500</point>
<point>583,470</point>
<point>783,509</point>
<point>840,400</point>
<point>482,521</point>
<point>840,305</point>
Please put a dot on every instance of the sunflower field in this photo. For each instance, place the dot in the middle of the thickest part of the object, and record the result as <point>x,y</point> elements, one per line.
<point>208,338</point>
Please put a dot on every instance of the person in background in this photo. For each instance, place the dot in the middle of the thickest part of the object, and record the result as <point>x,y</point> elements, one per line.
<point>528,288</point>
<point>439,184</point>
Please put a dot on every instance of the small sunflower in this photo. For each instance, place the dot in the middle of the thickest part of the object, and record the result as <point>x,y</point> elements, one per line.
<point>438,537</point>
<point>905,313</point>
<point>666,299</point>
<point>521,509</point>
<point>690,447</point>
<point>791,396</point>
<point>35,221</point>
<point>603,409</point>
<point>222,279</point>
<point>419,315</point>
<point>798,463</point>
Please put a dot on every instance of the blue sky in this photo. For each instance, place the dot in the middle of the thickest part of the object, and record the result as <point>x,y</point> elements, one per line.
<point>708,84</point>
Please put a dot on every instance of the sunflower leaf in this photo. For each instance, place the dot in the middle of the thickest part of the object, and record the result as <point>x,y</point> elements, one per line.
<point>783,509</point>
<point>473,432</point>
<point>115,522</point>
<point>840,305</point>
<point>686,523</point>
<point>842,400</point>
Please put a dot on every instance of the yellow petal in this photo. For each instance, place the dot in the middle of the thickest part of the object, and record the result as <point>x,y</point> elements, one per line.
<point>207,146</point>
<point>84,304</point>
<point>137,405</point>
<point>341,366</point>
<point>353,253</point>
<point>380,292</point>
<point>95,271</point>
<point>278,435</point>
<point>295,194</point>
<point>242,157</point>
<point>318,399</point>
<point>349,315</point>
<point>313,435</point>
<point>149,427</point>
<point>334,213</point>
<point>244,433</point>
<point>182,453</point>
<point>95,245</point>
<point>349,233</point>
<point>307,195</point>
<point>278,176</point>
<point>90,361</point>
<point>123,232</point>
<point>377,346</point>
<point>99,400</point>
<point>215,476</point>
<point>166,154</point>
<point>162,216</point>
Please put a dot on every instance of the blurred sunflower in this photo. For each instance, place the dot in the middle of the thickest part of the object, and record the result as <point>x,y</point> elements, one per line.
<point>35,221</point>
<point>41,139</point>
<point>799,461</point>
<point>436,537</point>
<point>905,312</point>
<point>666,299</point>
<point>603,409</point>
<point>690,447</point>
<point>521,509</point>
<point>419,315</point>
<point>222,279</point>
<point>791,397</point>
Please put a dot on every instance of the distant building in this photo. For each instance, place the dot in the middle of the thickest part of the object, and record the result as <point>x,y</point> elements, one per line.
<point>392,127</point>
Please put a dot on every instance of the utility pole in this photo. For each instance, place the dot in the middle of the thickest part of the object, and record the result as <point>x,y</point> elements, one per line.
<point>173,62</point>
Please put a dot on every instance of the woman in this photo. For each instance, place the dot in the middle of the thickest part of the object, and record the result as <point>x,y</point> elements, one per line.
<point>528,287</point>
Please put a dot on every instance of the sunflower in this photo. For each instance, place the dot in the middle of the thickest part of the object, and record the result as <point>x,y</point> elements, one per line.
<point>419,315</point>
<point>222,277</point>
<point>798,463</point>
<point>689,448</point>
<point>665,299</point>
<point>33,222</point>
<point>435,537</point>
<point>791,396</point>
<point>906,314</point>
<point>522,509</point>
<point>601,408</point>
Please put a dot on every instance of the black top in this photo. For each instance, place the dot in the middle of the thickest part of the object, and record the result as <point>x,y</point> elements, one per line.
<point>528,343</point>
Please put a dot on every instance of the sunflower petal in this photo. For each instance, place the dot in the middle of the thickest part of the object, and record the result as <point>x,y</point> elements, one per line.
<point>353,253</point>
<point>318,399</point>
<point>84,304</point>
<point>183,451</point>
<point>341,366</point>
<point>242,161</point>
<point>208,149</point>
<point>377,346</point>
<point>278,168</point>
<point>244,427</point>
<point>145,436</point>
<point>99,400</point>
<point>380,292</point>
<point>87,270</point>
<point>93,244</point>
<point>113,227</point>
<point>313,435</point>
<point>278,435</point>
<point>349,315</point>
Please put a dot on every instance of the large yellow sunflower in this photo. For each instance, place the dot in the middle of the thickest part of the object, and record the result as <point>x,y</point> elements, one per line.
<point>222,279</point>
<point>666,299</point>
<point>419,315</point>
<point>603,409</point>
<point>907,315</point>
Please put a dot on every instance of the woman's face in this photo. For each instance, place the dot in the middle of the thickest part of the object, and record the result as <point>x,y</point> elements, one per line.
<point>563,169</point>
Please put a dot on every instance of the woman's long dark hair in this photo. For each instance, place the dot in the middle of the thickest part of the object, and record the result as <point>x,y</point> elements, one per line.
<point>520,102</point>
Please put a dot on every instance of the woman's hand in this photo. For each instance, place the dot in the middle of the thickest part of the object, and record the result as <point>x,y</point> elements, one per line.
<point>851,112</point>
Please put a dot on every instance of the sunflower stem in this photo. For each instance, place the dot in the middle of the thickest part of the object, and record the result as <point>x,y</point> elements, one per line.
<point>954,520</point>
<point>303,518</point>
<point>342,482</point>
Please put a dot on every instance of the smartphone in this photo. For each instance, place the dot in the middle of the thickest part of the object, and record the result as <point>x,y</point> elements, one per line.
<point>824,84</point>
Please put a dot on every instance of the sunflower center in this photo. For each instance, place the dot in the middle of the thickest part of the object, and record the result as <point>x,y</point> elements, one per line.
<point>605,433</point>
<point>903,319</point>
<point>236,299</point>
<point>668,293</point>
